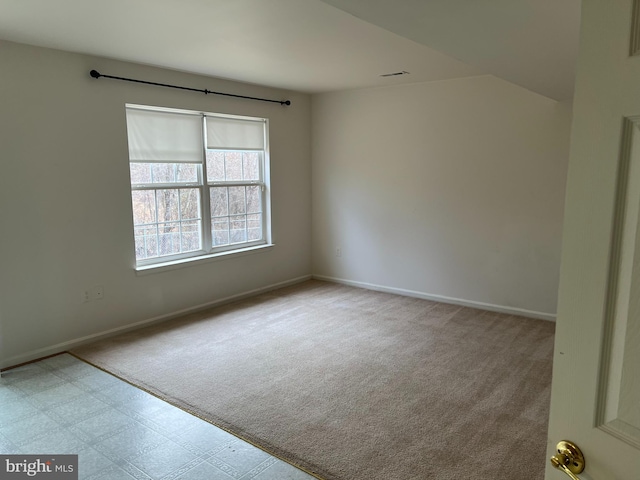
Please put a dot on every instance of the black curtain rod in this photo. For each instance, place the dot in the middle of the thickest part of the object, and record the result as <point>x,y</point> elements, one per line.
<point>96,74</point>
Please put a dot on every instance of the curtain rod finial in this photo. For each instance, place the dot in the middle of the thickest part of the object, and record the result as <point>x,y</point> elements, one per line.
<point>95,74</point>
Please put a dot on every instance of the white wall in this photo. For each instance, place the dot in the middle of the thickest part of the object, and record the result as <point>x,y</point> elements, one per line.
<point>65,208</point>
<point>452,189</point>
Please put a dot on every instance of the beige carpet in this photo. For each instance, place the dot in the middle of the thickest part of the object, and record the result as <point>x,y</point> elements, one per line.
<point>354,384</point>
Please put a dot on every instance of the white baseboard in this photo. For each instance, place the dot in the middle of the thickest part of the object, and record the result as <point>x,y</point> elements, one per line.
<point>68,345</point>
<point>440,298</point>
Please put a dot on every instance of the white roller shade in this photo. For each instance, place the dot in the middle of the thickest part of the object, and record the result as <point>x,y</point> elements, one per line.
<point>233,133</point>
<point>156,136</point>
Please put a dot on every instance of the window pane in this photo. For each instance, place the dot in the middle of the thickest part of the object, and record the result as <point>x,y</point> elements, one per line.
<point>220,231</point>
<point>237,200</point>
<point>186,173</point>
<point>254,199</point>
<point>163,172</point>
<point>140,172</point>
<point>254,227</point>
<point>251,165</point>
<point>168,206</point>
<point>233,165</point>
<point>144,206</point>
<point>146,242</point>
<point>169,238</point>
<point>215,166</point>
<point>219,202</point>
<point>189,203</point>
<point>190,236</point>
<point>150,173</point>
<point>238,228</point>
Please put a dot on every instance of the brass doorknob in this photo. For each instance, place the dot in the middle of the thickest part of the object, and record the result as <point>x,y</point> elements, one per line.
<point>569,459</point>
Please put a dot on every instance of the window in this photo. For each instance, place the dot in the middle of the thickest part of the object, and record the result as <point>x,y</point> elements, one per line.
<point>199,183</point>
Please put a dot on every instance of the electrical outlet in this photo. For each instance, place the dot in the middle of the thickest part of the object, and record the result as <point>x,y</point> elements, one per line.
<point>338,252</point>
<point>86,296</point>
<point>97,292</point>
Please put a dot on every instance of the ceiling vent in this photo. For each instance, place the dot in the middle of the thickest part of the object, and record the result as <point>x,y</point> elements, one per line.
<point>395,74</point>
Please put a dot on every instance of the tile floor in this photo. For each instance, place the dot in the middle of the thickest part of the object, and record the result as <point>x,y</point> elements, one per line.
<point>62,405</point>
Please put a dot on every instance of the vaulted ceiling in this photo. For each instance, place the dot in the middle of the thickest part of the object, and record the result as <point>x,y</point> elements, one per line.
<point>314,45</point>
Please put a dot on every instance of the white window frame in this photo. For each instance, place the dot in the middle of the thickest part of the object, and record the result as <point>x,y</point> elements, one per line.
<point>204,186</point>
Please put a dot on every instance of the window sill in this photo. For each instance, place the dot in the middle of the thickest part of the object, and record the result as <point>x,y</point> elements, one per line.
<point>214,257</point>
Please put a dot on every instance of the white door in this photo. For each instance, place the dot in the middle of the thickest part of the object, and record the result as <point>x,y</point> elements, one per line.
<point>596,377</point>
